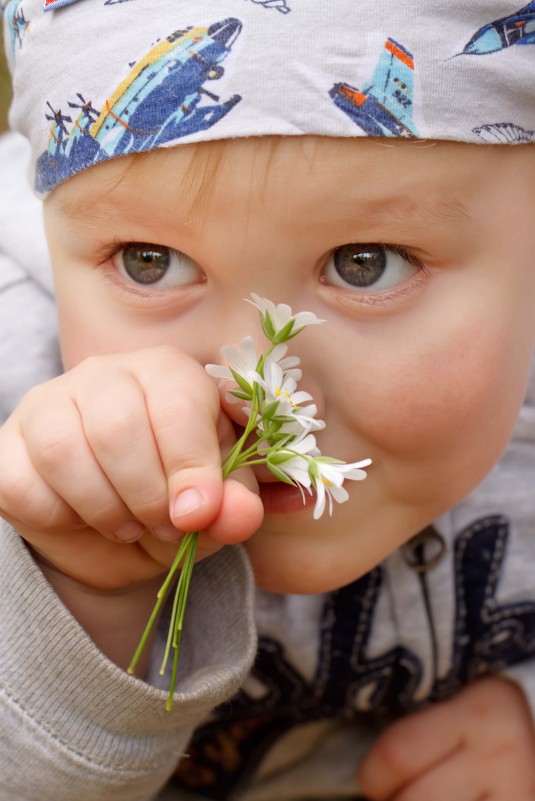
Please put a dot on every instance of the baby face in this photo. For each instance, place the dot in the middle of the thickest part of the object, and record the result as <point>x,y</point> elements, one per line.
<point>419,255</point>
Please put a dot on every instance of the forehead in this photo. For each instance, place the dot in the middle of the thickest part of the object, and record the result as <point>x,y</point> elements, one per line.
<point>432,181</point>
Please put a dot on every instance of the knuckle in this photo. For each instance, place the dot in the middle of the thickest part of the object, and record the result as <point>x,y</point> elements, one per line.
<point>150,507</point>
<point>15,491</point>
<point>51,446</point>
<point>112,430</point>
<point>107,517</point>
<point>392,752</point>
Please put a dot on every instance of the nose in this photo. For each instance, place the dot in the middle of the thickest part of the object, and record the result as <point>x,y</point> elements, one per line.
<point>237,329</point>
<point>230,322</point>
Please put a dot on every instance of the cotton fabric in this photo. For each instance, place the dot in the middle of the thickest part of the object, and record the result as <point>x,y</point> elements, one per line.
<point>98,79</point>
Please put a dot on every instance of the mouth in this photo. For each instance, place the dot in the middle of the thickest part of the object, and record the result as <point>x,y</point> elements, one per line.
<point>283,499</point>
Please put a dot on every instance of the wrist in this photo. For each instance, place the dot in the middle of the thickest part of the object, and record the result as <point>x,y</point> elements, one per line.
<point>113,619</point>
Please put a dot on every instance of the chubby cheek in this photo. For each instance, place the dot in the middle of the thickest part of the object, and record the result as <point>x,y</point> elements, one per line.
<point>92,325</point>
<point>433,415</point>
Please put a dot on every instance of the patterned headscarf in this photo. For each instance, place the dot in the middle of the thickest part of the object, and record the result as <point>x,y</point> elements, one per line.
<point>98,79</point>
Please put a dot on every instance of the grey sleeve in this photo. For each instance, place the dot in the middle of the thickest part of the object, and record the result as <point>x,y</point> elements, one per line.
<point>72,724</point>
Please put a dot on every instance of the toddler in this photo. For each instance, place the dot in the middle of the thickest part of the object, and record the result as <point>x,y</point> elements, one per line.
<point>373,163</point>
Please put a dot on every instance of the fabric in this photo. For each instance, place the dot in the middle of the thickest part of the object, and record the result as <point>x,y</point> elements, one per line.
<point>72,724</point>
<point>98,79</point>
<point>29,347</point>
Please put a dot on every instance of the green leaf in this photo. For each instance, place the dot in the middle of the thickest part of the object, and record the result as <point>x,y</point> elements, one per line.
<point>285,333</point>
<point>241,395</point>
<point>241,382</point>
<point>313,471</point>
<point>280,475</point>
<point>268,411</point>
<point>279,457</point>
<point>268,327</point>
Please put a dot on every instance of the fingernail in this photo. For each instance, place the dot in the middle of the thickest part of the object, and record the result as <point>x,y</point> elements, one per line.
<point>130,532</point>
<point>167,533</point>
<point>186,502</point>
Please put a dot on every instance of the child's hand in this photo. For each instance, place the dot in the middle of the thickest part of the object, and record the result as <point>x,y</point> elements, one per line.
<point>480,746</point>
<point>107,453</point>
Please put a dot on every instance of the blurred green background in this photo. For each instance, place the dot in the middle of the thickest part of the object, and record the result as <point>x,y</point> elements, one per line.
<point>5,88</point>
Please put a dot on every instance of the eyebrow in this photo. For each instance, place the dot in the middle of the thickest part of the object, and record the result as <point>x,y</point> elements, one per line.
<point>403,208</point>
<point>398,211</point>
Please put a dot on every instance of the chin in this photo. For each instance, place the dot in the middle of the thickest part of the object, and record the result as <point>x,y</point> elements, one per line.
<point>295,570</point>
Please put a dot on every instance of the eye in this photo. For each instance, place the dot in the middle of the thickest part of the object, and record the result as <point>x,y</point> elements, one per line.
<point>370,267</point>
<point>155,265</point>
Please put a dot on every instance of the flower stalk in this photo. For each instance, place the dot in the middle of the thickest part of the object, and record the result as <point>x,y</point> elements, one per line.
<point>282,420</point>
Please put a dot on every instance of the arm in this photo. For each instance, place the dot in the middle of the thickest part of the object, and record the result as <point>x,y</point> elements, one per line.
<point>72,724</point>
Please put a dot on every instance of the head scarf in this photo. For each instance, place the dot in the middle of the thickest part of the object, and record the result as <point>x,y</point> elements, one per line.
<point>99,79</point>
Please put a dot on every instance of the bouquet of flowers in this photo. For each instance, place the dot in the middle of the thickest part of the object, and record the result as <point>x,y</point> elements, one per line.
<point>279,433</point>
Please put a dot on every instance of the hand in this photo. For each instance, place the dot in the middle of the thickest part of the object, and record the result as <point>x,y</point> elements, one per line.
<point>122,448</point>
<point>480,746</point>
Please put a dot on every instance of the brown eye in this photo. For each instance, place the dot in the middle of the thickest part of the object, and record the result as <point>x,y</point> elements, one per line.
<point>145,265</point>
<point>370,267</point>
<point>156,265</point>
<point>360,265</point>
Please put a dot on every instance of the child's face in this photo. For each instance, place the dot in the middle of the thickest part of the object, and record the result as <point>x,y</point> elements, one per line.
<point>420,256</point>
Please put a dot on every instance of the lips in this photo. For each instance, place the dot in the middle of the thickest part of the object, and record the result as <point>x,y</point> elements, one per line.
<point>283,499</point>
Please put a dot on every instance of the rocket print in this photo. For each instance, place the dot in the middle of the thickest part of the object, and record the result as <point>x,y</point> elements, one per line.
<point>383,107</point>
<point>161,99</point>
<point>517,29</point>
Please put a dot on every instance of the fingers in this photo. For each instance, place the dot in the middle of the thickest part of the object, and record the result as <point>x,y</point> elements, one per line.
<point>126,443</point>
<point>23,493</point>
<point>240,515</point>
<point>184,415</point>
<point>456,778</point>
<point>406,749</point>
<point>62,455</point>
<point>479,745</point>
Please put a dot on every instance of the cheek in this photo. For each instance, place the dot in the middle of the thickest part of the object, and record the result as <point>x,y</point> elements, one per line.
<point>435,412</point>
<point>93,324</point>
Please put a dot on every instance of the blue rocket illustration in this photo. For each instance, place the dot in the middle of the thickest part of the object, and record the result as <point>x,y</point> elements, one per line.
<point>518,29</point>
<point>383,107</point>
<point>160,100</point>
<point>16,22</point>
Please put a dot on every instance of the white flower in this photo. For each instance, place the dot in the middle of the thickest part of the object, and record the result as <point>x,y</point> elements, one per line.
<point>243,364</point>
<point>243,361</point>
<point>291,463</point>
<point>327,479</point>
<point>280,389</point>
<point>279,323</point>
<point>280,386</point>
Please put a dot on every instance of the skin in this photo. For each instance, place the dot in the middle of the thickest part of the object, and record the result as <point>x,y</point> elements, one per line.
<point>424,373</point>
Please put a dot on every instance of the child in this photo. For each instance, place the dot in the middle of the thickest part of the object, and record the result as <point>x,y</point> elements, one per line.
<point>371,162</point>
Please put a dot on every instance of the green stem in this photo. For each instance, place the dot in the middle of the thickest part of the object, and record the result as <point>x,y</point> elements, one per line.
<point>177,622</point>
<point>162,592</point>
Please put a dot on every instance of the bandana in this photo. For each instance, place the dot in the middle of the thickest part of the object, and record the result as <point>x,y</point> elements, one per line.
<point>99,79</point>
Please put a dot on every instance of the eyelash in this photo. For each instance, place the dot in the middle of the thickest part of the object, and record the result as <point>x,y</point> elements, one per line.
<point>409,257</point>
<point>107,252</point>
